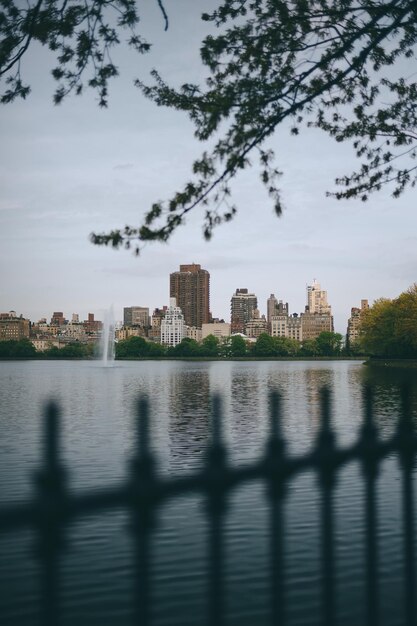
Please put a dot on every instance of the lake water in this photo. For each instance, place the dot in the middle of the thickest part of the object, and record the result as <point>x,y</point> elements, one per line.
<point>97,406</point>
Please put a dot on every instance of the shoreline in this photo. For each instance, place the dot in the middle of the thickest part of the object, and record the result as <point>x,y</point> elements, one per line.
<point>365,360</point>
<point>381,362</point>
<point>197,358</point>
<point>244,358</point>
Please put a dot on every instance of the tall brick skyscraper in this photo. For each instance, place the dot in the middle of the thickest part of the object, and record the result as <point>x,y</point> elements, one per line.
<point>191,288</point>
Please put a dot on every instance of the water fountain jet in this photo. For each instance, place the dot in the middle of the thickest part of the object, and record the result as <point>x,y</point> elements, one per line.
<point>107,350</point>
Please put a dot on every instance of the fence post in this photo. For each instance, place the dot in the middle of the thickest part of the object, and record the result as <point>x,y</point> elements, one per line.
<point>275,467</point>
<point>53,507</point>
<point>50,516</point>
<point>142,499</point>
<point>216,483</point>
<point>406,448</point>
<point>369,449</point>
<point>325,452</point>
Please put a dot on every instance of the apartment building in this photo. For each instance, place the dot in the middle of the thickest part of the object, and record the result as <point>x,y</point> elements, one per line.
<point>13,327</point>
<point>136,316</point>
<point>352,334</point>
<point>242,307</point>
<point>190,287</point>
<point>172,325</point>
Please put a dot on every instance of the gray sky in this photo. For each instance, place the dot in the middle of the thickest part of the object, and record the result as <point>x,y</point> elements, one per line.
<point>69,170</point>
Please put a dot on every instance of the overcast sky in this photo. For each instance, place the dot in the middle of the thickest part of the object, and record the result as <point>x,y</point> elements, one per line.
<point>69,170</point>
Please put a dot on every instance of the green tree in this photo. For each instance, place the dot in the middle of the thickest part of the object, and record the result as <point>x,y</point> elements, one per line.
<point>52,353</point>
<point>210,346</point>
<point>23,348</point>
<point>264,346</point>
<point>81,34</point>
<point>329,344</point>
<point>74,351</point>
<point>354,348</point>
<point>156,349</point>
<point>284,346</point>
<point>377,328</point>
<point>5,349</point>
<point>237,346</point>
<point>406,322</point>
<point>187,347</point>
<point>70,351</point>
<point>309,348</point>
<point>338,66</point>
<point>132,347</point>
<point>389,327</point>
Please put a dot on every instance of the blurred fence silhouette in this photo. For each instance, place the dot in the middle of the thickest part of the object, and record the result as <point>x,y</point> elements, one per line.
<point>53,507</point>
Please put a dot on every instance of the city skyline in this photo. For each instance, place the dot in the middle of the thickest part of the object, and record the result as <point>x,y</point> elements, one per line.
<point>119,313</point>
<point>313,305</point>
<point>69,170</point>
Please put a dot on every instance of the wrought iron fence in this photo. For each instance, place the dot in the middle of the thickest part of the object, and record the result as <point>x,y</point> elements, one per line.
<point>53,507</point>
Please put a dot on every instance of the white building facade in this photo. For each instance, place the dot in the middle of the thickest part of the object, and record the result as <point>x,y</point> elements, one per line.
<point>317,299</point>
<point>172,325</point>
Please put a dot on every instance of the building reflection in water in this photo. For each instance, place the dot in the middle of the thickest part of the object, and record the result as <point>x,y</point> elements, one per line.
<point>299,385</point>
<point>314,380</point>
<point>247,414</point>
<point>189,398</point>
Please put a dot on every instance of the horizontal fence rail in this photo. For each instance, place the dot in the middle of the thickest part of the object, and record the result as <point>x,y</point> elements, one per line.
<point>53,507</point>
